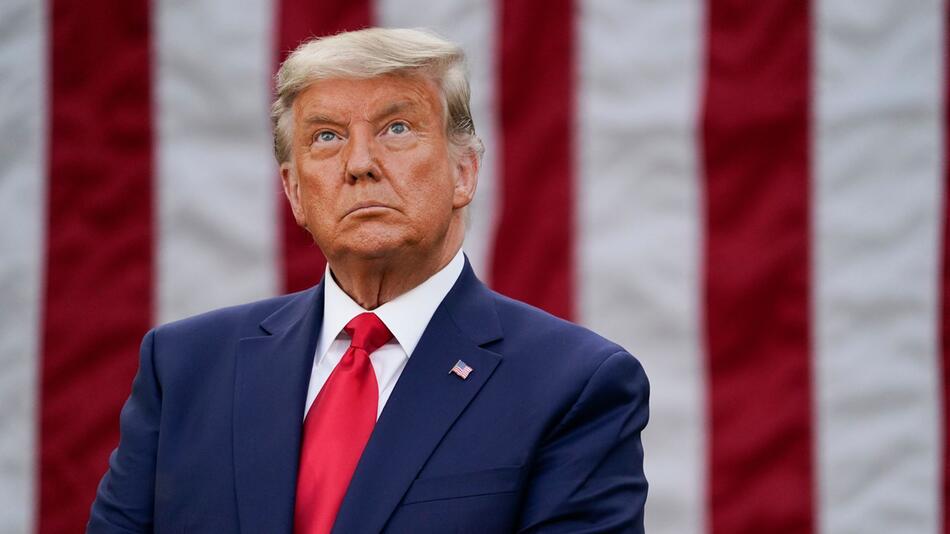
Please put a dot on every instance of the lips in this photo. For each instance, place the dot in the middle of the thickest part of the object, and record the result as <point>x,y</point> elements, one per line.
<point>359,206</point>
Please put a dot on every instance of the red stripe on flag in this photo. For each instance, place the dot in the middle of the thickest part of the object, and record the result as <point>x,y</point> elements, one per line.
<point>99,245</point>
<point>297,20</point>
<point>533,251</point>
<point>757,304</point>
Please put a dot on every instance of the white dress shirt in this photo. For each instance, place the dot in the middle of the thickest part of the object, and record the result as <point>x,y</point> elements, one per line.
<point>406,316</point>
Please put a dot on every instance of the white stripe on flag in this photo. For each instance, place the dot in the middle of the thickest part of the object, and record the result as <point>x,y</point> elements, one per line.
<point>216,176</point>
<point>23,60</point>
<point>639,222</point>
<point>876,193</point>
<point>472,24</point>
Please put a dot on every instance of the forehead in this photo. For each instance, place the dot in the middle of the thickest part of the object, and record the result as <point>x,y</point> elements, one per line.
<point>349,97</point>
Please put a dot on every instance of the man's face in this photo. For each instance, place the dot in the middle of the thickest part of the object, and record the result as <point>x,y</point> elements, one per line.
<point>371,173</point>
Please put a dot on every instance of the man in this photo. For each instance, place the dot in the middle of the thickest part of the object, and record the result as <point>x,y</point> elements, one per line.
<point>448,408</point>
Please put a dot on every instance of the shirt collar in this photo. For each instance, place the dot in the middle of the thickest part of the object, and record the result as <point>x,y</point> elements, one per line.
<point>406,316</point>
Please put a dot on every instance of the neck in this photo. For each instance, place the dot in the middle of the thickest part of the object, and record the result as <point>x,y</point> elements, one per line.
<point>372,283</point>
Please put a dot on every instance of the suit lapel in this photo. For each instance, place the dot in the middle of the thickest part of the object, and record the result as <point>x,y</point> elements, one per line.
<point>271,380</point>
<point>424,404</point>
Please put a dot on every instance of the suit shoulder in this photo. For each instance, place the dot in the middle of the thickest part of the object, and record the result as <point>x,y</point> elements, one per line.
<point>545,357</point>
<point>189,350</point>
<point>531,325</point>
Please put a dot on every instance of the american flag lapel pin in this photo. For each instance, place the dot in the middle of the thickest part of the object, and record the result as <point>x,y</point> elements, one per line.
<point>461,370</point>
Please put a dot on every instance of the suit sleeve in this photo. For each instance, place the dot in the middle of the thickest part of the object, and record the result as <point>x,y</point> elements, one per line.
<point>124,500</point>
<point>588,475</point>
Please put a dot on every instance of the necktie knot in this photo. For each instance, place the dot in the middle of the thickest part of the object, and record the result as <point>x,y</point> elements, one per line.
<point>367,332</point>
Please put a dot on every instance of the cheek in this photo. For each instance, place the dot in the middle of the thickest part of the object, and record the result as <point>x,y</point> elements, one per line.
<point>430,181</point>
<point>317,179</point>
<point>316,197</point>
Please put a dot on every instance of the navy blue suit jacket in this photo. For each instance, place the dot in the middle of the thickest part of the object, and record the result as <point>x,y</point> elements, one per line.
<point>543,436</point>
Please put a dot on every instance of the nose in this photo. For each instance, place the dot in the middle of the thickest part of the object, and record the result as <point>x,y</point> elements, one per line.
<point>361,161</point>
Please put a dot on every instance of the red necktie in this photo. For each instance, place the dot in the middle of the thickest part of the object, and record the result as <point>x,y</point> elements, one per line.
<point>337,428</point>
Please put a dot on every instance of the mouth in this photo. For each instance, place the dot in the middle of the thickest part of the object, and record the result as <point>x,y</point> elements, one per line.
<point>367,207</point>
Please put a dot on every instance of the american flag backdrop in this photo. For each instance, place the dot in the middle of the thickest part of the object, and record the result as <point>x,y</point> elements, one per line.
<point>749,195</point>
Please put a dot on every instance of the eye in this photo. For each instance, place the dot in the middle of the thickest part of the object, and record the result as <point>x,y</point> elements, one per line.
<point>324,136</point>
<point>398,128</point>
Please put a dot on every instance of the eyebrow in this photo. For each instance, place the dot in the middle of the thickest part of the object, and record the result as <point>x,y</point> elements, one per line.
<point>325,119</point>
<point>391,109</point>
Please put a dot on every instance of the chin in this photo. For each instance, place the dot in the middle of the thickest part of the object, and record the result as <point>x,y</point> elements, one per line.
<point>372,246</point>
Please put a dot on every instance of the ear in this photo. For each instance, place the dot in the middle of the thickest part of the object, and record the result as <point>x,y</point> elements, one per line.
<point>288,177</point>
<point>466,179</point>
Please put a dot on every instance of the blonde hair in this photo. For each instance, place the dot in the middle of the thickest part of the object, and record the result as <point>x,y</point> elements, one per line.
<point>375,52</point>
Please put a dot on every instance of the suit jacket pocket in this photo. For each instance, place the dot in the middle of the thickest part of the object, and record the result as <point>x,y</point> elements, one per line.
<point>491,481</point>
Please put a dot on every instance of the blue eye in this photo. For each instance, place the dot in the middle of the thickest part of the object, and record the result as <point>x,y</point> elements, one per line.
<point>325,136</point>
<point>398,128</point>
